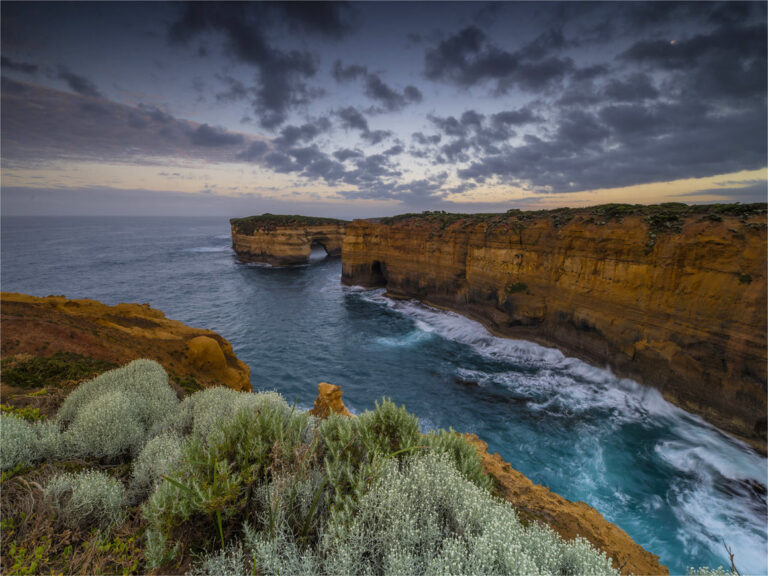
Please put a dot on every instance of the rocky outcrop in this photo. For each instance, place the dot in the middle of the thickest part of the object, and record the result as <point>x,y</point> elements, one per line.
<point>329,401</point>
<point>285,240</point>
<point>535,503</point>
<point>42,327</point>
<point>673,296</point>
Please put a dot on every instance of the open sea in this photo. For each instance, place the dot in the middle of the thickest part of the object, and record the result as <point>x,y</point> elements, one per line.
<point>675,484</point>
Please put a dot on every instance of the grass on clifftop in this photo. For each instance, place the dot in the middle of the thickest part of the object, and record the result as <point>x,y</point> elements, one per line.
<point>660,217</point>
<point>268,221</point>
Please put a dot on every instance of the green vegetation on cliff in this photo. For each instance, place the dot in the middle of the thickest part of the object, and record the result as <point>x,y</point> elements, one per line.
<point>660,217</point>
<point>241,483</point>
<point>268,221</point>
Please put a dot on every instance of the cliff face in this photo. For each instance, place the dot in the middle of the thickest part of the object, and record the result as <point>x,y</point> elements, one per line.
<point>42,327</point>
<point>672,296</point>
<point>285,240</point>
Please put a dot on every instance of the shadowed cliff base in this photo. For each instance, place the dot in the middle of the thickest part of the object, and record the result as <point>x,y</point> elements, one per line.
<point>671,295</point>
<point>285,240</point>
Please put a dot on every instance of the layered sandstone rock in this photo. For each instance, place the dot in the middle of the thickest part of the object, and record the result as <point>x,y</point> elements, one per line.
<point>329,401</point>
<point>118,334</point>
<point>672,296</point>
<point>285,240</point>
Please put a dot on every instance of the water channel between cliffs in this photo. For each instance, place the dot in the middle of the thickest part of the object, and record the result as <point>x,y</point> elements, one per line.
<point>675,484</point>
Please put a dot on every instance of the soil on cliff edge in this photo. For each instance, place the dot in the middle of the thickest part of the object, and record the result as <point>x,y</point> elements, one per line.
<point>49,345</point>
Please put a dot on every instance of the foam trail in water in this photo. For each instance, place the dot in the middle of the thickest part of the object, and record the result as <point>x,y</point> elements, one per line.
<point>719,487</point>
<point>209,249</point>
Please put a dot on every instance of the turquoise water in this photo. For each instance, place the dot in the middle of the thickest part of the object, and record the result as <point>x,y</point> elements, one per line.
<point>675,484</point>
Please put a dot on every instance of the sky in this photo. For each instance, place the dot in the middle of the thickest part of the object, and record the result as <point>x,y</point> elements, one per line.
<point>372,109</point>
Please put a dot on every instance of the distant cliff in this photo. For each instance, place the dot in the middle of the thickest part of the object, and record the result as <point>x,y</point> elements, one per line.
<point>673,296</point>
<point>283,240</point>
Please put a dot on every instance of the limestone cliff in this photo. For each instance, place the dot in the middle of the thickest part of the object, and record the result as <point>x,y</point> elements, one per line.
<point>673,296</point>
<point>42,327</point>
<point>285,240</point>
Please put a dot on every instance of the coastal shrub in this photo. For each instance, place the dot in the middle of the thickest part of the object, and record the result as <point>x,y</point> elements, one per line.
<point>49,440</point>
<point>220,479</point>
<point>424,517</point>
<point>19,441</point>
<point>25,442</point>
<point>90,498</point>
<point>388,429</point>
<point>463,455</point>
<point>201,413</point>
<point>144,382</point>
<point>114,414</point>
<point>108,427</point>
<point>158,458</point>
<point>228,562</point>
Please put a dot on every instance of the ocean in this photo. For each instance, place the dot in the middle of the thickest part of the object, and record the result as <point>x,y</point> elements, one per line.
<point>677,485</point>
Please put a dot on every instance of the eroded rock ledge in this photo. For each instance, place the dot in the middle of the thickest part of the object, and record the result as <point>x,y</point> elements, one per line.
<point>43,327</point>
<point>282,240</point>
<point>535,503</point>
<point>673,296</point>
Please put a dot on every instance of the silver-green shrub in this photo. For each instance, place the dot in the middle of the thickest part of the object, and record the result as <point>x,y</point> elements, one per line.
<point>201,413</point>
<point>25,442</point>
<point>90,498</point>
<point>424,517</point>
<point>107,427</point>
<point>49,443</point>
<point>158,458</point>
<point>462,453</point>
<point>19,441</point>
<point>228,562</point>
<point>114,414</point>
<point>143,381</point>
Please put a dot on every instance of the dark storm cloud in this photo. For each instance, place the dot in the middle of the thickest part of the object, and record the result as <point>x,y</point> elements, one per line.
<point>469,58</point>
<point>348,73</point>
<point>351,118</point>
<point>346,154</point>
<point>23,67</point>
<point>246,28</point>
<point>474,132</point>
<point>79,84</point>
<point>737,42</point>
<point>376,89</point>
<point>81,128</point>
<point>254,152</point>
<point>291,135</point>
<point>205,135</point>
<point>728,63</point>
<point>424,140</point>
<point>635,87</point>
<point>630,144</point>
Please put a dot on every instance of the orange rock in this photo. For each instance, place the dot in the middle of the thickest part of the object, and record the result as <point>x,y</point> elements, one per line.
<point>285,244</point>
<point>329,401</point>
<point>119,334</point>
<point>676,303</point>
<point>569,519</point>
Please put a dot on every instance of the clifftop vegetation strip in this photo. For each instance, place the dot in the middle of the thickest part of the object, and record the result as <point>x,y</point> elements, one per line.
<point>268,221</point>
<point>659,216</point>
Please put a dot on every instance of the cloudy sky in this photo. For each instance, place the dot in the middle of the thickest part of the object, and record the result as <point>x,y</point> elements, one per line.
<point>368,109</point>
